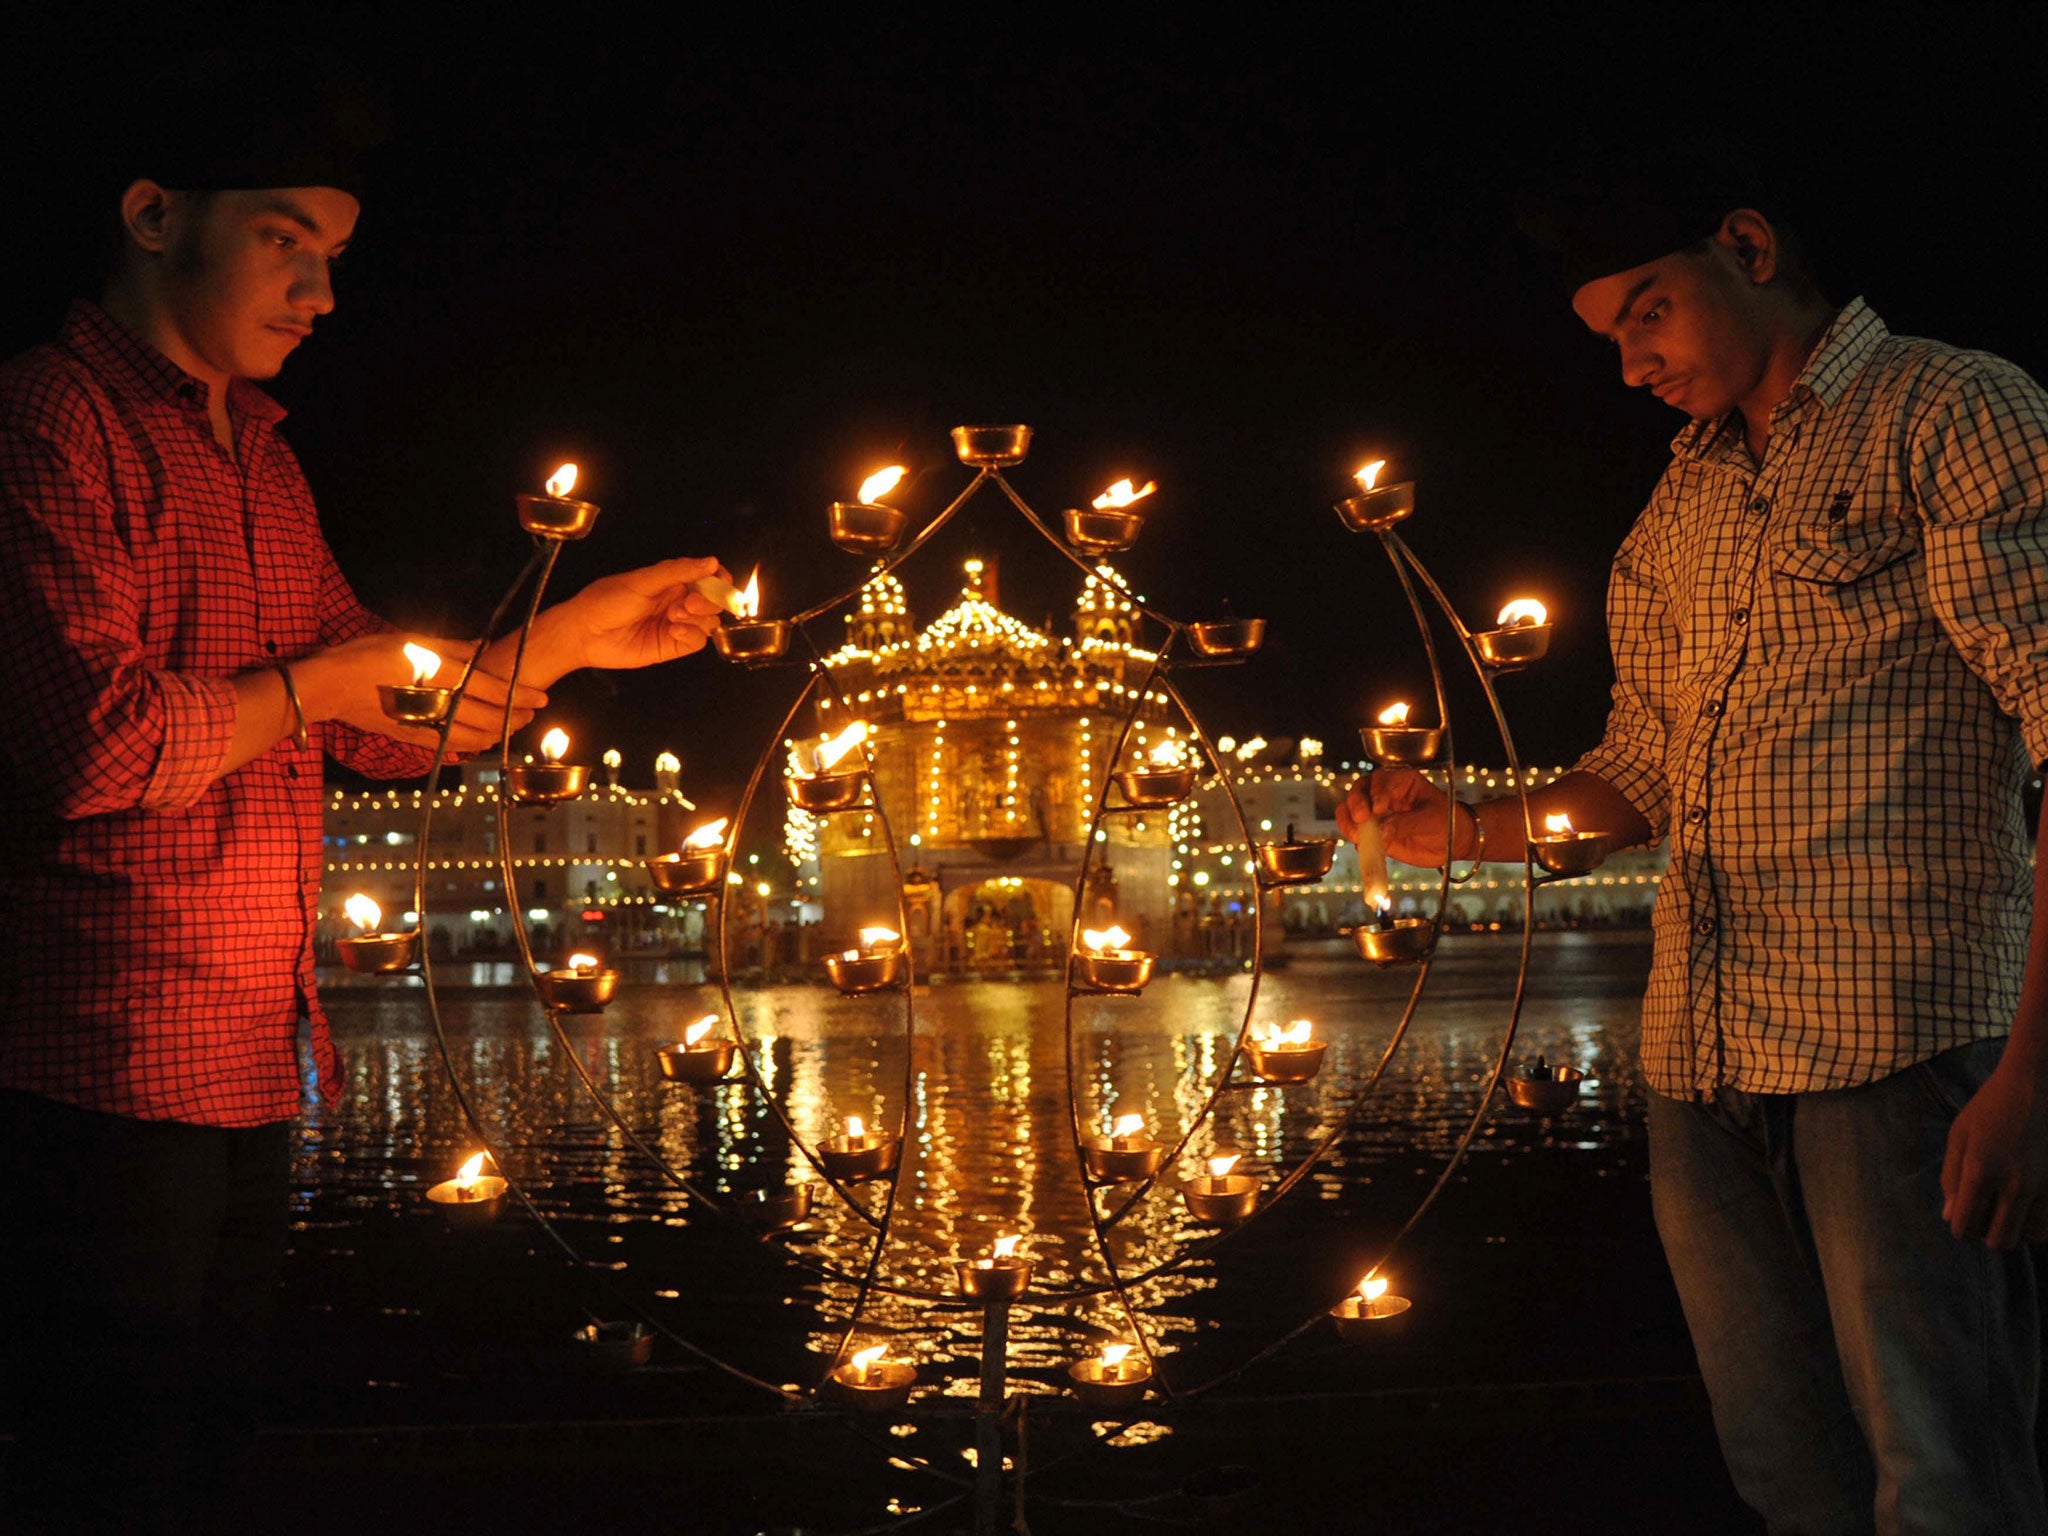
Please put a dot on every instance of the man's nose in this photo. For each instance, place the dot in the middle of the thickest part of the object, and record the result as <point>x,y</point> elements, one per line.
<point>313,288</point>
<point>1639,365</point>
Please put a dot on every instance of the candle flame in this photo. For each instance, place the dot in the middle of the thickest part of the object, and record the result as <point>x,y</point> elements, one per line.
<point>856,1128</point>
<point>710,835</point>
<point>1371,1288</point>
<point>1296,1033</point>
<point>1126,1126</point>
<point>364,912</point>
<point>470,1171</point>
<point>562,481</point>
<point>828,752</point>
<point>1122,495</point>
<point>554,744</point>
<point>425,663</point>
<point>1222,1163</point>
<point>1523,612</point>
<point>1102,940</point>
<point>1006,1247</point>
<point>1113,1354</point>
<point>879,938</point>
<point>1368,474</point>
<point>1558,825</point>
<point>1383,903</point>
<point>1170,753</point>
<point>881,483</point>
<point>699,1030</point>
<point>746,603</point>
<point>1394,714</point>
<point>864,1359</point>
<point>582,962</point>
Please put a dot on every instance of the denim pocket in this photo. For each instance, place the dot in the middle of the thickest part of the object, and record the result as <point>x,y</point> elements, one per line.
<point>1952,1078</point>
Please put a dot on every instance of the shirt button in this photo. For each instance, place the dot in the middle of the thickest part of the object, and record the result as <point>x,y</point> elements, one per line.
<point>1711,708</point>
<point>1705,927</point>
<point>1695,816</point>
<point>1740,615</point>
<point>1761,505</point>
<point>270,646</point>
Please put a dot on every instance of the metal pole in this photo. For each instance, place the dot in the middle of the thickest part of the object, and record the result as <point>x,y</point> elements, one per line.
<point>988,1418</point>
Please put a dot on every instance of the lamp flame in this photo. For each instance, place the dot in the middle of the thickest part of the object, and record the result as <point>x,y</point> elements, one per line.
<point>425,663</point>
<point>746,603</point>
<point>856,1128</point>
<point>1523,613</point>
<point>1394,714</point>
<point>1104,940</point>
<point>554,744</point>
<point>1006,1247</point>
<point>1170,753</point>
<point>864,1360</point>
<point>470,1172</point>
<point>1368,474</point>
<point>1122,495</point>
<point>1126,1126</point>
<point>872,939</point>
<point>710,835</point>
<point>364,912</point>
<point>827,753</point>
<point>1559,825</point>
<point>1113,1354</point>
<point>581,962</point>
<point>1371,1288</point>
<point>1222,1163</point>
<point>881,483</point>
<point>699,1030</point>
<point>562,481</point>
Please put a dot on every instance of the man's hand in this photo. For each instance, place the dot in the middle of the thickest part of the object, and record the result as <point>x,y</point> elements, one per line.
<point>1994,1181</point>
<point>636,618</point>
<point>1412,816</point>
<point>341,682</point>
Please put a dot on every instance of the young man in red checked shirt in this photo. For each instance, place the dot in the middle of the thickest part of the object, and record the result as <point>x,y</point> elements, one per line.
<point>177,653</point>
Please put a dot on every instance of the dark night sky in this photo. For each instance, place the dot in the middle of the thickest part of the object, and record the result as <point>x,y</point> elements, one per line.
<point>729,273</point>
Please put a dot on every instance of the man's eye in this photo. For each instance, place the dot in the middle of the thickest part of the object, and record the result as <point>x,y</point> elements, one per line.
<point>1653,314</point>
<point>282,241</point>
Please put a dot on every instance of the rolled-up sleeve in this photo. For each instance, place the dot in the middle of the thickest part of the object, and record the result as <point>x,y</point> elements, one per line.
<point>1979,467</point>
<point>1631,753</point>
<point>92,728</point>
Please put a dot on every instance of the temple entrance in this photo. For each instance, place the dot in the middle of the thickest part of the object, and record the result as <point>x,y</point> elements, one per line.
<point>1007,923</point>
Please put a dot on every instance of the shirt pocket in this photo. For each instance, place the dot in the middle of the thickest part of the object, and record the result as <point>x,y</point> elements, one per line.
<point>1836,554</point>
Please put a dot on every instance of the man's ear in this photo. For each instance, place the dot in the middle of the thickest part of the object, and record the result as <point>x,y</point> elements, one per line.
<point>146,215</point>
<point>1748,236</point>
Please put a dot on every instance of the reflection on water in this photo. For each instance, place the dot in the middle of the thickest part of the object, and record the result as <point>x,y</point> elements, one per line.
<point>989,1143</point>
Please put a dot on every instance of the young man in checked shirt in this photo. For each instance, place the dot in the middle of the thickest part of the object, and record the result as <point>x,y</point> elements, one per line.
<point>1830,631</point>
<point>177,652</point>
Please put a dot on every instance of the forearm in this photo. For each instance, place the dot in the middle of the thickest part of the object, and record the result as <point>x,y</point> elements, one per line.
<point>263,717</point>
<point>1593,804</point>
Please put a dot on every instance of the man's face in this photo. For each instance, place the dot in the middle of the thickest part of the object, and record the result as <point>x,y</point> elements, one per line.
<point>1685,326</point>
<point>247,273</point>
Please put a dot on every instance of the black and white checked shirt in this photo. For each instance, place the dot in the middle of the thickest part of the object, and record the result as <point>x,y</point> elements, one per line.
<point>1832,676</point>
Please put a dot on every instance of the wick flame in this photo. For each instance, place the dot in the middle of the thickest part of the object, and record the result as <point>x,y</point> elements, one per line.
<point>1368,475</point>
<point>1113,1354</point>
<point>364,912</point>
<point>1123,494</point>
<point>879,938</point>
<point>864,1359</point>
<point>699,1030</point>
<point>1170,753</point>
<point>562,481</point>
<point>828,752</point>
<point>710,835</point>
<point>746,603</point>
<point>582,962</point>
<point>425,663</point>
<point>1103,940</point>
<point>881,483</point>
<point>1126,1126</point>
<point>1371,1288</point>
<point>1523,612</point>
<point>1560,824</point>
<point>1394,714</point>
<point>1006,1247</point>
<point>1223,1163</point>
<point>470,1171</point>
<point>554,744</point>
<point>856,1128</point>
<point>1384,903</point>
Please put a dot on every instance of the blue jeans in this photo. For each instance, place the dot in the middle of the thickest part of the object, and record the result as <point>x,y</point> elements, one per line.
<point>1868,1372</point>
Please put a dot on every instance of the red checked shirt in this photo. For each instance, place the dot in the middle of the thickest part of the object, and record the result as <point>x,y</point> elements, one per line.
<point>157,918</point>
<point>1831,679</point>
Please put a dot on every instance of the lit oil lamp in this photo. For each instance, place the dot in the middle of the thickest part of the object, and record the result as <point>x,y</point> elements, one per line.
<point>1393,741</point>
<point>1523,636</point>
<point>992,447</point>
<point>869,1382</point>
<point>371,952</point>
<point>615,1346</point>
<point>1002,1276</point>
<point>698,869</point>
<point>471,1198</point>
<point>866,526</point>
<point>1111,1380</point>
<point>557,515</point>
<point>1289,1054</point>
<point>1105,963</point>
<point>584,985</point>
<point>877,963</point>
<point>1390,940</point>
<point>1227,637</point>
<point>417,703</point>
<point>1126,1153</point>
<point>549,781</point>
<point>744,636</point>
<point>1111,523</point>
<point>1368,1309</point>
<point>773,1209</point>
<point>1220,1195</point>
<point>699,1058</point>
<point>859,1153</point>
<point>827,787</point>
<point>1563,851</point>
<point>1545,1089</point>
<point>1297,861</point>
<point>1376,508</point>
<point>1164,777</point>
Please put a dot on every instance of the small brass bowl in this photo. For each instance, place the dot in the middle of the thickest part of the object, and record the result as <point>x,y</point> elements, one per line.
<point>1551,1095</point>
<point>1227,637</point>
<point>1287,1063</point>
<point>1571,853</point>
<point>994,1279</point>
<point>556,517</point>
<point>1406,939</point>
<point>1122,1385</point>
<point>1114,970</point>
<point>1104,1159</point>
<point>772,1209</point>
<point>823,793</point>
<point>614,1346</point>
<point>849,1161</point>
<point>1377,511</point>
<point>1505,649</point>
<point>1358,1319</point>
<point>1300,862</point>
<point>751,642</point>
<point>1102,530</point>
<point>709,1062</point>
<point>577,991</point>
<point>545,783</point>
<point>415,703</point>
<point>476,1206</point>
<point>379,954</point>
<point>992,447</point>
<point>865,528</point>
<point>1229,1198</point>
<point>1151,789</point>
<point>882,1388</point>
<point>866,973</point>
<point>693,872</point>
<point>1405,746</point>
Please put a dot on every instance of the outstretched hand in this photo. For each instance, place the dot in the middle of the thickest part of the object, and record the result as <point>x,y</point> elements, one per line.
<point>1412,816</point>
<point>637,618</point>
<point>1994,1181</point>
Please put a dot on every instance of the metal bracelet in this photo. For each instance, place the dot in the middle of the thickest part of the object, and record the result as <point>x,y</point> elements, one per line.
<point>291,694</point>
